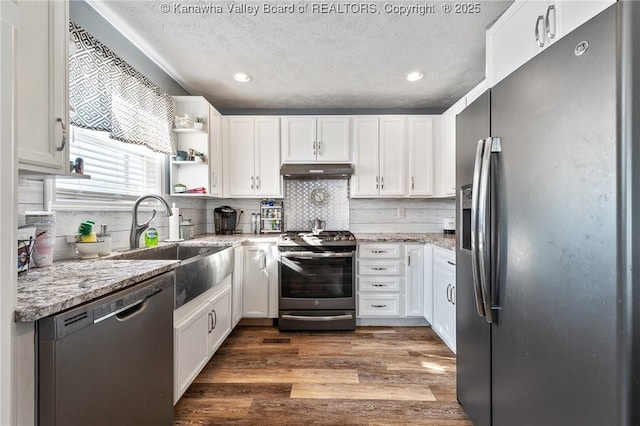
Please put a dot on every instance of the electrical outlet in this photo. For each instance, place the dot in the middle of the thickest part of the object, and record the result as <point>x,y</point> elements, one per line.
<point>401,212</point>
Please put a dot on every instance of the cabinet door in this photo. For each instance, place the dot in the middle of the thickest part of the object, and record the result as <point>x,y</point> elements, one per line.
<point>299,139</point>
<point>215,153</point>
<point>572,14</point>
<point>365,180</point>
<point>443,305</point>
<point>268,182</point>
<point>414,287</point>
<point>420,158</point>
<point>428,284</point>
<point>255,302</point>
<point>333,139</point>
<point>42,86</point>
<point>238,278</point>
<point>393,133</point>
<point>511,40</point>
<point>219,316</point>
<point>239,144</point>
<point>191,349</point>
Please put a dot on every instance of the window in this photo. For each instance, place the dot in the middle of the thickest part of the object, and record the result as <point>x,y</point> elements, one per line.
<point>119,171</point>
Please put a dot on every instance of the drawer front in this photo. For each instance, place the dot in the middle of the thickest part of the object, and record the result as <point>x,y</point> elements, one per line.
<point>445,259</point>
<point>379,267</point>
<point>378,305</point>
<point>379,251</point>
<point>379,283</point>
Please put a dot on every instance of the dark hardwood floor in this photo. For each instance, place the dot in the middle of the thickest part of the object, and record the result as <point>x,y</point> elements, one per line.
<point>373,376</point>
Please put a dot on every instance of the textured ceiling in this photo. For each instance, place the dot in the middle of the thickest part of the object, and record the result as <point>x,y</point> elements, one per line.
<point>316,59</point>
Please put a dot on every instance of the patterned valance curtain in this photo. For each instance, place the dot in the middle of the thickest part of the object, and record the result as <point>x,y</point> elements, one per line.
<point>108,94</point>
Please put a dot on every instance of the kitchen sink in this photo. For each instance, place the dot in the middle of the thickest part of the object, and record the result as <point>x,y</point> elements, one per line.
<point>201,267</point>
<point>172,253</point>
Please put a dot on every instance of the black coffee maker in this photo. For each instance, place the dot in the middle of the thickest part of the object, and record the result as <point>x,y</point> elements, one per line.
<point>225,220</point>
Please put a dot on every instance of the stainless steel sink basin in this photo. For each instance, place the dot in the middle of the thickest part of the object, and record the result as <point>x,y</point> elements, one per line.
<point>201,267</point>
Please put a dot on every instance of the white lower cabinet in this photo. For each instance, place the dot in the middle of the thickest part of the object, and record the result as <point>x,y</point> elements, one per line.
<point>260,281</point>
<point>200,327</point>
<point>444,296</point>
<point>427,293</point>
<point>381,280</point>
<point>378,305</point>
<point>414,280</point>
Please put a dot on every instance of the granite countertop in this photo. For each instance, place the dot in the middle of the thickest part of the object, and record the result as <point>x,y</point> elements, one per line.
<point>47,291</point>
<point>437,239</point>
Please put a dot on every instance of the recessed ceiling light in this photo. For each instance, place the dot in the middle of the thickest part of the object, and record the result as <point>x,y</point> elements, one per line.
<point>415,76</point>
<point>242,77</point>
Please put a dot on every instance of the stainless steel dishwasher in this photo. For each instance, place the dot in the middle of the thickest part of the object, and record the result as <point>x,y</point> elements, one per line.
<point>109,362</point>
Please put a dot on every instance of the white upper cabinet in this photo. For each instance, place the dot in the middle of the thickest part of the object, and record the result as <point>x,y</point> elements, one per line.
<point>393,135</point>
<point>445,150</point>
<point>366,156</point>
<point>310,139</point>
<point>42,90</point>
<point>530,26</point>
<point>252,156</point>
<point>420,158</point>
<point>572,14</point>
<point>379,156</point>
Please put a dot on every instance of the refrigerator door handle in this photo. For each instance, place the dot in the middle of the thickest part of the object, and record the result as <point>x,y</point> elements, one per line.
<point>491,145</point>
<point>475,262</point>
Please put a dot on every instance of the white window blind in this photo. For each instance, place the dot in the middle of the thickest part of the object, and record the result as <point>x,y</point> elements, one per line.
<point>118,170</point>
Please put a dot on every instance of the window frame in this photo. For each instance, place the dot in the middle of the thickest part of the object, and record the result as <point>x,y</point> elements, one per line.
<point>96,202</point>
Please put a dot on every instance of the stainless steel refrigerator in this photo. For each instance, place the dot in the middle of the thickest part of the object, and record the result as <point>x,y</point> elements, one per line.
<point>547,170</point>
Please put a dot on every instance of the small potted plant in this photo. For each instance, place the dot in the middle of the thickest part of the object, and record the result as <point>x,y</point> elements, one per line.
<point>198,124</point>
<point>179,187</point>
<point>197,156</point>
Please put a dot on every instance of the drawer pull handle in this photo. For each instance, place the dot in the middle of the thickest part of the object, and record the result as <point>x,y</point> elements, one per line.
<point>451,263</point>
<point>378,268</point>
<point>378,285</point>
<point>378,306</point>
<point>378,251</point>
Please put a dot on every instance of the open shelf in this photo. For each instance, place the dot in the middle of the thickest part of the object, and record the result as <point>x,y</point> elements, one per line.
<point>191,130</point>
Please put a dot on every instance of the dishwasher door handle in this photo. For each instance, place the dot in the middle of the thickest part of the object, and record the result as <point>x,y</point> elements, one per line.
<point>128,311</point>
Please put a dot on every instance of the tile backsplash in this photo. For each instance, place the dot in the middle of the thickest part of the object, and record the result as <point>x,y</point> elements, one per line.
<point>308,199</point>
<point>340,212</point>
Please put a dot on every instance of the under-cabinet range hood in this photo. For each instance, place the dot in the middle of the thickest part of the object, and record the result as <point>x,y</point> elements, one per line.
<point>326,171</point>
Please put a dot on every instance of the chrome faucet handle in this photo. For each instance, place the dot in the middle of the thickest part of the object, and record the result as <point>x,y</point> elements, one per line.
<point>145,225</point>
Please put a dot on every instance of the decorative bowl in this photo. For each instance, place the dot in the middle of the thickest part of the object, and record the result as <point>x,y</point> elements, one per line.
<point>90,250</point>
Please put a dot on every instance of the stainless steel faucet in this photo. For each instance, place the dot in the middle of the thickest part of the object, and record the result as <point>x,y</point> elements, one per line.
<point>136,229</point>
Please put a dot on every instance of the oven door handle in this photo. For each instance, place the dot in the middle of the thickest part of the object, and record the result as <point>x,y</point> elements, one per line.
<point>317,319</point>
<point>312,255</point>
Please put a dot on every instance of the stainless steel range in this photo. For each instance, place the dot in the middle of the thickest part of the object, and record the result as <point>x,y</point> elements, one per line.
<point>317,277</point>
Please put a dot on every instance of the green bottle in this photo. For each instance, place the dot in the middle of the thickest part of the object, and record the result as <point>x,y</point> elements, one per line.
<point>151,237</point>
